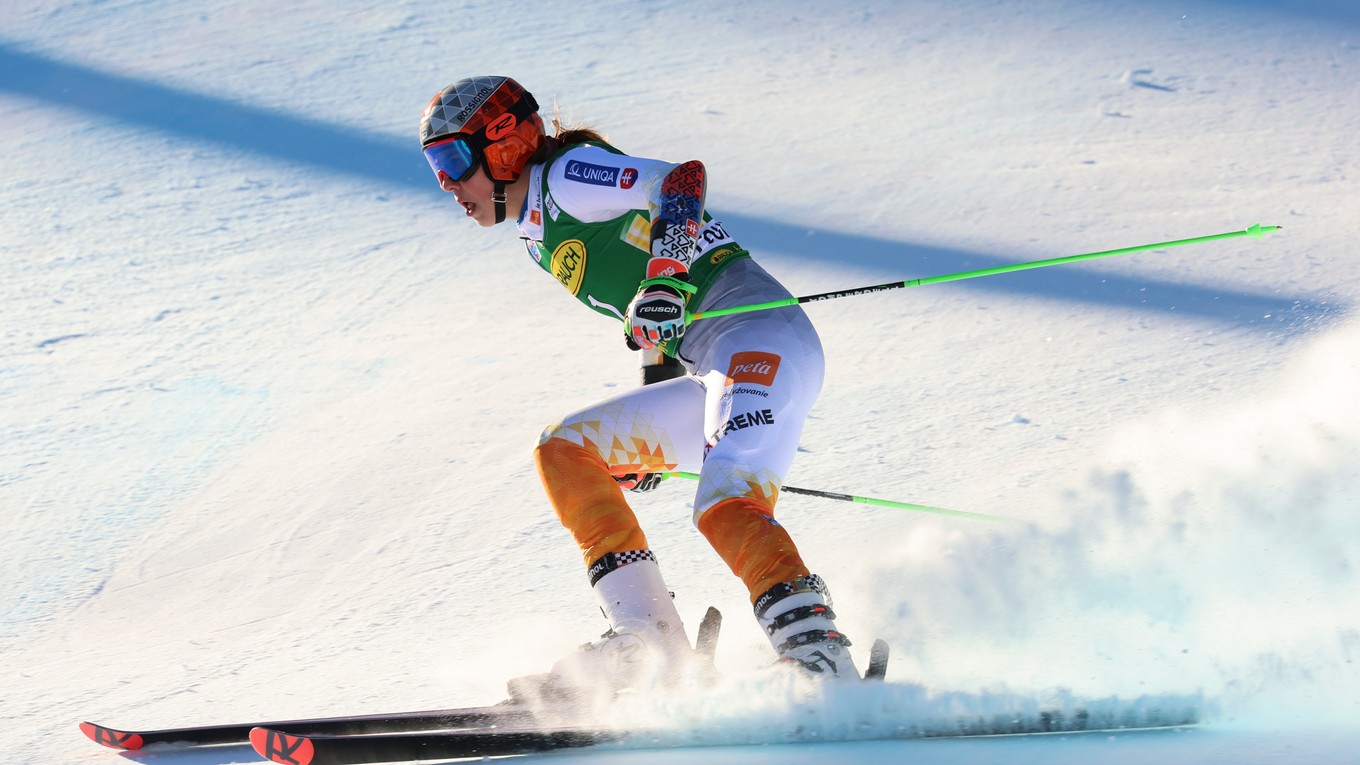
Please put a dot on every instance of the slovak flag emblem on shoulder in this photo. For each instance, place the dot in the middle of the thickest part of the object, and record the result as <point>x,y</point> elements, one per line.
<point>628,177</point>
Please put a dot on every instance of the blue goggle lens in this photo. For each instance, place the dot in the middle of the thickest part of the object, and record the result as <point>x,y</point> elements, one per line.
<point>454,158</point>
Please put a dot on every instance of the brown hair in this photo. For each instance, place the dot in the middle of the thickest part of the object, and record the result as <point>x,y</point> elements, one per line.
<point>565,135</point>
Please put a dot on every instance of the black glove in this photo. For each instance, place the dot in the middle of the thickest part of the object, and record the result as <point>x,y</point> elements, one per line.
<point>639,481</point>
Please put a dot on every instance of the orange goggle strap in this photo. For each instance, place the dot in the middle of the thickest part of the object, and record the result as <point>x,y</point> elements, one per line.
<point>504,159</point>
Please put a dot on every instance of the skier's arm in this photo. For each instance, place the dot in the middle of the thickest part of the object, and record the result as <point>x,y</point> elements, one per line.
<point>657,313</point>
<point>592,184</point>
<point>677,215</point>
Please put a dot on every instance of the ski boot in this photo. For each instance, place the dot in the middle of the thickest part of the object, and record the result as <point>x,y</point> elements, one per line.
<point>645,645</point>
<point>798,619</point>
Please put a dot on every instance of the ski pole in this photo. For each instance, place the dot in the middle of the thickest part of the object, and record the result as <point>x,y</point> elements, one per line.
<point>1256,230</point>
<point>862,500</point>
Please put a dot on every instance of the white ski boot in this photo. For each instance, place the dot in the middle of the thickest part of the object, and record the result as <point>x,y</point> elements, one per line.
<point>798,619</point>
<point>645,645</point>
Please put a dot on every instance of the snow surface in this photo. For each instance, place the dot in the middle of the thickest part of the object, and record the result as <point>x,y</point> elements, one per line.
<point>268,400</point>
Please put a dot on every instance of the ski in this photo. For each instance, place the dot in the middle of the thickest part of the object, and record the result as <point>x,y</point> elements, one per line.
<point>706,639</point>
<point>211,735</point>
<point>878,661</point>
<point>289,749</point>
<point>502,715</point>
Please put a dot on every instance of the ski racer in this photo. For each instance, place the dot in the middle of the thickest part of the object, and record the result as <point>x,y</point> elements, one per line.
<point>629,237</point>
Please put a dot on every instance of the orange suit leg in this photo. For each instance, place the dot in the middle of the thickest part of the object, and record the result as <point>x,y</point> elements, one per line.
<point>746,536</point>
<point>588,501</point>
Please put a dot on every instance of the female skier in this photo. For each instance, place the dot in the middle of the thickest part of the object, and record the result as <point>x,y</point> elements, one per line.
<point>629,237</point>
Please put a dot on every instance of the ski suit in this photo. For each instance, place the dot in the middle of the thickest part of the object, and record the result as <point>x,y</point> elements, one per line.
<point>735,418</point>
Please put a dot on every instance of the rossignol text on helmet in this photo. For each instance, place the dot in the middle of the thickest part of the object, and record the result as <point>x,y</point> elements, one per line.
<point>488,121</point>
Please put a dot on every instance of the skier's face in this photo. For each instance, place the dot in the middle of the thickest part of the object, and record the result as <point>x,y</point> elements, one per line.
<point>474,194</point>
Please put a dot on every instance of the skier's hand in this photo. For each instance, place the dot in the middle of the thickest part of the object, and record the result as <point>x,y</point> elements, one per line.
<point>657,313</point>
<point>639,481</point>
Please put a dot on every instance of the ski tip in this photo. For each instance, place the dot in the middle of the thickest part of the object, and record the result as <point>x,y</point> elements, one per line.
<point>706,640</point>
<point>878,661</point>
<point>277,746</point>
<point>114,739</point>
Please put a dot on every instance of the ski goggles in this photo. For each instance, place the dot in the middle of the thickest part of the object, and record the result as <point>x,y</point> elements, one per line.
<point>453,158</point>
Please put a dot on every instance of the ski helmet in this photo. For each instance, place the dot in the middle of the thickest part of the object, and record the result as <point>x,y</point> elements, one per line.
<point>498,125</point>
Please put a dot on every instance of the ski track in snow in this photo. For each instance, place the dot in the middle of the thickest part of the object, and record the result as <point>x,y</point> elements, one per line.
<point>268,407</point>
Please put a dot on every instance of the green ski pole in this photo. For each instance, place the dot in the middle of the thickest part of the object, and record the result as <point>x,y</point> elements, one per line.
<point>1256,230</point>
<point>862,500</point>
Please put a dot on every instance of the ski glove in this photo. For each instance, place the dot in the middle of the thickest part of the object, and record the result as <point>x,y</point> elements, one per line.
<point>639,481</point>
<point>657,313</point>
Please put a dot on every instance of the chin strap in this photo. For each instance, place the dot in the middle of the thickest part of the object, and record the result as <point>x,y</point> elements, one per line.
<point>498,197</point>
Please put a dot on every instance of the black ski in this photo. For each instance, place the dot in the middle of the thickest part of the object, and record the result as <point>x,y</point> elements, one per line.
<point>500,716</point>
<point>210,735</point>
<point>706,639</point>
<point>293,748</point>
<point>288,749</point>
<point>878,661</point>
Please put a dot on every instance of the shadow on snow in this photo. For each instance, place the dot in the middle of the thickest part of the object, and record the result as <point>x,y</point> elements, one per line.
<point>297,140</point>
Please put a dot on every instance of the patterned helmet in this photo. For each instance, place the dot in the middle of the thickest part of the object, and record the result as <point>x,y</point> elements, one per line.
<point>497,116</point>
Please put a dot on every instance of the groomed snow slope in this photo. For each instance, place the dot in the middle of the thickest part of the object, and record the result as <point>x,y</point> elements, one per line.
<point>268,399</point>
